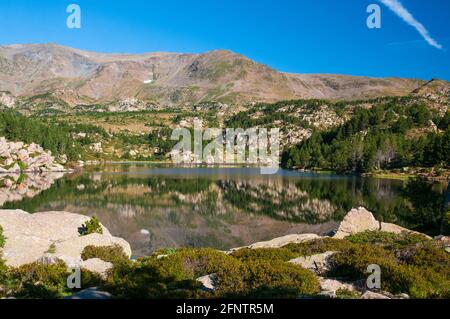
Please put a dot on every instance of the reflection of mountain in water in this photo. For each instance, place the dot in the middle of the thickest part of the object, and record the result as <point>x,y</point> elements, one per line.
<point>152,211</point>
<point>16,187</point>
<point>278,199</point>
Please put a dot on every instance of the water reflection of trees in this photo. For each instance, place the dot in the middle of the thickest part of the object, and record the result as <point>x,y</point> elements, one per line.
<point>415,204</point>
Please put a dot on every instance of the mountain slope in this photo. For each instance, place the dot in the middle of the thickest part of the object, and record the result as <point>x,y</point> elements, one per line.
<point>171,79</point>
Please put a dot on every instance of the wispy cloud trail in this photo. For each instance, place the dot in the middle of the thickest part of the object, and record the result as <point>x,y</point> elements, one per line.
<point>397,7</point>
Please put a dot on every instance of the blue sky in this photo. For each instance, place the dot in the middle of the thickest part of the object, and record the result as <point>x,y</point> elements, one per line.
<point>314,36</point>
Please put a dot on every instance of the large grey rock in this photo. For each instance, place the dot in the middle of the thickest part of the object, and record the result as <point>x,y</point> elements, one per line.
<point>360,219</point>
<point>208,281</point>
<point>29,237</point>
<point>357,220</point>
<point>329,286</point>
<point>97,265</point>
<point>318,263</point>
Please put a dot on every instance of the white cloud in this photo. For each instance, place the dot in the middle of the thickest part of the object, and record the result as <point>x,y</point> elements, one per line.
<point>403,13</point>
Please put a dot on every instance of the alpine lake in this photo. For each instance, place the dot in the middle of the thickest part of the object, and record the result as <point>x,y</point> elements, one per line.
<point>155,206</point>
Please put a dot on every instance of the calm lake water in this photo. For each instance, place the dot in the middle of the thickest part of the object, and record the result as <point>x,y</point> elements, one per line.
<point>153,206</point>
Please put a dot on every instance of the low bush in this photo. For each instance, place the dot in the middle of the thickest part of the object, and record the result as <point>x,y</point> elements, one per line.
<point>389,240</point>
<point>40,281</point>
<point>419,281</point>
<point>447,221</point>
<point>175,276</point>
<point>147,280</point>
<point>280,254</point>
<point>343,293</point>
<point>113,254</point>
<point>2,238</point>
<point>318,246</point>
<point>191,263</point>
<point>91,226</point>
<point>264,279</point>
<point>429,256</point>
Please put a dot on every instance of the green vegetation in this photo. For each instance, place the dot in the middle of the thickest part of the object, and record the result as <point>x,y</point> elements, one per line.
<point>387,136</point>
<point>2,238</point>
<point>41,281</point>
<point>51,249</point>
<point>399,274</point>
<point>90,227</point>
<point>270,114</point>
<point>113,254</point>
<point>53,137</point>
<point>409,263</point>
<point>446,223</point>
<point>390,240</point>
<point>174,276</point>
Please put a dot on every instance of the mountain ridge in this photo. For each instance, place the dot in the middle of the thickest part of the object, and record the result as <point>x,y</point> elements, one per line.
<point>168,79</point>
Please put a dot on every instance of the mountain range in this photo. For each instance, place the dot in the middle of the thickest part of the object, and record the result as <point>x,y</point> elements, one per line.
<point>65,78</point>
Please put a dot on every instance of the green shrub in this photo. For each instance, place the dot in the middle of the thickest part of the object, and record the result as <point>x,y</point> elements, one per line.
<point>281,254</point>
<point>343,293</point>
<point>51,249</point>
<point>147,280</point>
<point>429,256</point>
<point>90,279</point>
<point>2,238</point>
<point>91,226</point>
<point>113,254</point>
<point>175,276</point>
<point>318,246</point>
<point>23,166</point>
<point>390,240</point>
<point>263,279</point>
<point>191,263</point>
<point>447,220</point>
<point>419,281</point>
<point>40,281</point>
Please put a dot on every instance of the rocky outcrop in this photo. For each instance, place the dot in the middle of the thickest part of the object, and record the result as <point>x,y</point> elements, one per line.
<point>50,236</point>
<point>317,263</point>
<point>208,282</point>
<point>329,287</point>
<point>357,220</point>
<point>16,157</point>
<point>360,219</point>
<point>7,99</point>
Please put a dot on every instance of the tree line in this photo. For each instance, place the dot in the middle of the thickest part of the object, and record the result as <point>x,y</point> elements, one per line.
<point>387,136</point>
<point>55,137</point>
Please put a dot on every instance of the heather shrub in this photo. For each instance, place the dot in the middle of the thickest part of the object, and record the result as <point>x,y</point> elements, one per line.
<point>113,254</point>
<point>389,240</point>
<point>280,254</point>
<point>264,278</point>
<point>91,226</point>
